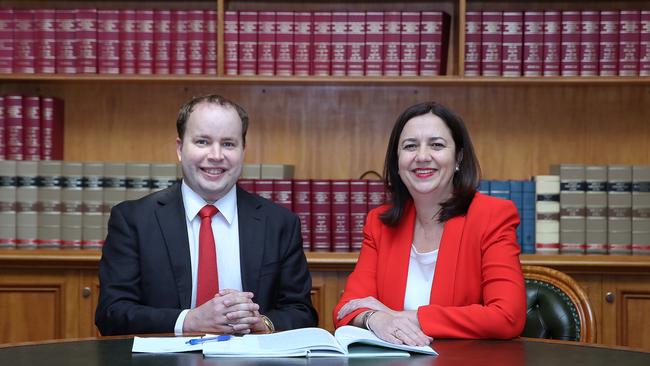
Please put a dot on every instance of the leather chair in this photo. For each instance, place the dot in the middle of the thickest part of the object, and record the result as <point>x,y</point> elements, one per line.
<point>557,307</point>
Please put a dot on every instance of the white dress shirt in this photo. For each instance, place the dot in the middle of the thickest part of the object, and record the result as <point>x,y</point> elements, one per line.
<point>225,228</point>
<point>420,278</point>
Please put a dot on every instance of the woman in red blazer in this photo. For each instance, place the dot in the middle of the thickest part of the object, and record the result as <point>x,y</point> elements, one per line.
<point>440,260</point>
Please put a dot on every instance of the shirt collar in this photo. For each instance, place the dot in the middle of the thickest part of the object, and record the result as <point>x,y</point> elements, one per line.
<point>193,203</point>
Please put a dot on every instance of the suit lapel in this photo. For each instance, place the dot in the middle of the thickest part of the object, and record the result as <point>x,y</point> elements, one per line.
<point>251,239</point>
<point>397,268</point>
<point>171,219</point>
<point>442,290</point>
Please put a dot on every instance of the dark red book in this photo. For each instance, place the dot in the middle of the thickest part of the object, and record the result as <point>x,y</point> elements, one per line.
<point>392,43</point>
<point>248,43</point>
<point>322,54</point>
<point>162,41</point>
<point>302,208</point>
<point>45,48</point>
<point>358,212</point>
<point>283,193</point>
<point>31,128</point>
<point>321,217</point>
<point>374,43</point>
<point>512,46</point>
<point>434,43</point>
<point>341,215</point>
<point>51,129</point>
<point>589,42</point>
<point>552,43</point>
<point>410,44</point>
<point>491,40</point>
<point>14,127</point>
<point>6,41</point>
<point>3,147</point>
<point>629,38</point>
<point>210,39</point>
<point>303,43</point>
<point>473,25</point>
<point>284,43</point>
<point>86,21</point>
<point>24,41</point>
<point>247,184</point>
<point>355,47</point>
<point>180,29</point>
<point>144,41</point>
<point>339,42</point>
<point>376,194</point>
<point>264,188</point>
<point>644,49</point>
<point>108,41</point>
<point>533,51</point>
<point>266,56</point>
<point>230,42</point>
<point>608,60</point>
<point>570,44</point>
<point>127,41</point>
<point>195,41</point>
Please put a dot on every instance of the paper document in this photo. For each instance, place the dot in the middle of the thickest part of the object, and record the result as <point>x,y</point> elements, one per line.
<point>164,345</point>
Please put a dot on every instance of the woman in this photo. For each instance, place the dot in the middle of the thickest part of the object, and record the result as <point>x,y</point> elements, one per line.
<point>441,260</point>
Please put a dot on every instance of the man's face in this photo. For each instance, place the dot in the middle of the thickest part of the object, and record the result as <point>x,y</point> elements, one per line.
<point>212,151</point>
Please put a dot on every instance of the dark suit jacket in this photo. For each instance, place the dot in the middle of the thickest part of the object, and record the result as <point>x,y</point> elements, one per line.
<point>145,272</point>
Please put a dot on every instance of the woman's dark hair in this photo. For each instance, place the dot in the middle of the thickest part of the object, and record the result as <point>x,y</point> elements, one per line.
<point>465,180</point>
<point>188,108</point>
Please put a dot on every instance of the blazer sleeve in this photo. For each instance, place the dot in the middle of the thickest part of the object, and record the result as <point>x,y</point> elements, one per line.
<point>502,313</point>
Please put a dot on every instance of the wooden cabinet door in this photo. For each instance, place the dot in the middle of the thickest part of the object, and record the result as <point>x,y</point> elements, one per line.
<point>88,298</point>
<point>626,310</point>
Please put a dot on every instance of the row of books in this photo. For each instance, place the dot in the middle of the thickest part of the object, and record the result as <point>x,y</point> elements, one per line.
<point>338,43</point>
<point>31,128</point>
<point>594,210</point>
<point>557,43</point>
<point>90,41</point>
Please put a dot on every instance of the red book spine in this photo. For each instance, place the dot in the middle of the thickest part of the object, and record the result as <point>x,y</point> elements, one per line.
<point>374,43</point>
<point>376,194</point>
<point>533,43</point>
<point>248,42</point>
<point>162,40</point>
<point>491,39</point>
<point>264,188</point>
<point>31,128</point>
<point>3,147</point>
<point>341,215</point>
<point>392,43</point>
<point>303,43</point>
<point>230,42</point>
<point>570,46</point>
<point>195,41</point>
<point>14,127</point>
<point>355,47</point>
<point>552,41</point>
<point>410,43</point>
<point>180,29</point>
<point>51,129</point>
<point>144,39</point>
<point>6,41</point>
<point>108,41</point>
<point>512,36</point>
<point>589,34</point>
<point>284,43</point>
<point>629,38</point>
<point>434,42</point>
<point>358,212</point>
<point>283,193</point>
<point>302,208</point>
<point>45,57</point>
<point>644,49</point>
<point>86,20</point>
<point>127,41</point>
<point>247,184</point>
<point>266,43</point>
<point>339,42</point>
<point>322,57</point>
<point>321,218</point>
<point>210,57</point>
<point>608,60</point>
<point>473,24</point>
<point>24,41</point>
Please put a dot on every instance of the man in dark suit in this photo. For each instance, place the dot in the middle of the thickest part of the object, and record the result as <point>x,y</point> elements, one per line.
<point>247,250</point>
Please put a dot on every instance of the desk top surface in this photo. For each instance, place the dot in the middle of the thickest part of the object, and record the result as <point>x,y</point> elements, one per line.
<point>109,352</point>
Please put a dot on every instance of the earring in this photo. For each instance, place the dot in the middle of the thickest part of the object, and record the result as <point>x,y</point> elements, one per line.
<point>457,168</point>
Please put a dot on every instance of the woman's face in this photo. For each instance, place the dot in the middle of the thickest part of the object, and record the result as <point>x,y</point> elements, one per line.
<point>427,156</point>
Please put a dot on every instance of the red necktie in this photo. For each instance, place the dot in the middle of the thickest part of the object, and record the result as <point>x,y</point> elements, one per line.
<point>208,279</point>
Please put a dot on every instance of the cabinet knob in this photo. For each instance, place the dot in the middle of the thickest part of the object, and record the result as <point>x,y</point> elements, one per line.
<point>610,297</point>
<point>86,292</point>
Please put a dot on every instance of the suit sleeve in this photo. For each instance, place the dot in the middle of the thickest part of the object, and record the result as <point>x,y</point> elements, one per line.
<point>120,309</point>
<point>503,312</point>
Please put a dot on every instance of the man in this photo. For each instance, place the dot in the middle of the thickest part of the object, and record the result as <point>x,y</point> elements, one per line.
<point>172,262</point>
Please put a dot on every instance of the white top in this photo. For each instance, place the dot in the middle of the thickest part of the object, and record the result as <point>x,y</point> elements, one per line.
<point>420,278</point>
<point>225,227</point>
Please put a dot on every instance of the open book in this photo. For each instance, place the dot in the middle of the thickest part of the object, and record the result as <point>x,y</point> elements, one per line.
<point>348,341</point>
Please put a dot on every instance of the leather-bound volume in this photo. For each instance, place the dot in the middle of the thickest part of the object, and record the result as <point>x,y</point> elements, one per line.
<point>72,185</point>
<point>376,194</point>
<point>266,56</point>
<point>92,235</point>
<point>31,128</point>
<point>341,215</point>
<point>303,41</point>
<point>374,43</point>
<point>51,128</point>
<point>6,41</point>
<point>589,42</point>
<point>392,45</point>
<point>491,40</point>
<point>339,42</point>
<point>570,44</point>
<point>248,43</point>
<point>358,212</point>
<point>162,41</point>
<point>7,203</point>
<point>231,42</point>
<point>27,183</point>
<point>138,180</point>
<point>322,56</point>
<point>108,41</point>
<point>596,209</point>
<point>86,35</point>
<point>302,208</point>
<point>609,40</point>
<point>3,147</point>
<point>264,188</point>
<point>410,44</point>
<point>552,43</point>
<point>284,43</point>
<point>196,32</point>
<point>547,214</point>
<point>49,204</point>
<point>512,46</point>
<point>619,209</point>
<point>473,24</point>
<point>144,41</point>
<point>644,44</point>
<point>629,38</point>
<point>128,50</point>
<point>283,193</point>
<point>321,216</point>
<point>67,47</point>
<point>355,47</point>
<point>24,41</point>
<point>533,52</point>
<point>45,35</point>
<point>572,207</point>
<point>179,42</point>
<point>434,43</point>
<point>641,210</point>
<point>210,39</point>
<point>14,127</point>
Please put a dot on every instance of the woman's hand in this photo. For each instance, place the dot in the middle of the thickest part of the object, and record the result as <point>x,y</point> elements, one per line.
<point>398,327</point>
<point>367,302</point>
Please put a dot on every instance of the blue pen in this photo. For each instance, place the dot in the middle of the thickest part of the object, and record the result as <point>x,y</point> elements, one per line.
<point>220,338</point>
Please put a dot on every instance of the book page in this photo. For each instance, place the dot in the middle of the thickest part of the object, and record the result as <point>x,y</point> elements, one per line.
<point>347,335</point>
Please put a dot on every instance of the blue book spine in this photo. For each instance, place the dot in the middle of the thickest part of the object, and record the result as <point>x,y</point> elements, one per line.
<point>500,188</point>
<point>528,218</point>
<point>517,196</point>
<point>484,187</point>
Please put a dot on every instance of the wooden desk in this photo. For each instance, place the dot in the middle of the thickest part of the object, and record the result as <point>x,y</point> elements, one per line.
<point>521,352</point>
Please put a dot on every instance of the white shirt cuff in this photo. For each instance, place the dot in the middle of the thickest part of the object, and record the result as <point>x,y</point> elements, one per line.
<point>178,328</point>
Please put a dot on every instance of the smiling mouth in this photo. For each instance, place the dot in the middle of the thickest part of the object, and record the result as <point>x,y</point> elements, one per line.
<point>424,172</point>
<point>214,171</point>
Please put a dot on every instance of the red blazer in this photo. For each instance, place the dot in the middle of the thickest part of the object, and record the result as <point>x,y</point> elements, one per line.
<point>478,288</point>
